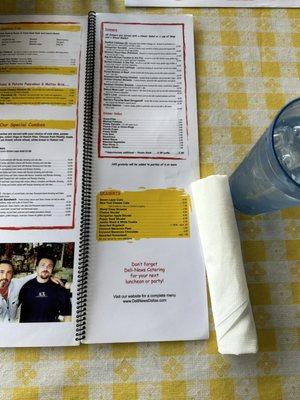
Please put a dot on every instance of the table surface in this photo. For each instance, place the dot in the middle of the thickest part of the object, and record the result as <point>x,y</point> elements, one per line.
<point>248,66</point>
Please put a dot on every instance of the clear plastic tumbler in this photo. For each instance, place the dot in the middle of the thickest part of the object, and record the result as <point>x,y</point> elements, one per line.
<point>268,179</point>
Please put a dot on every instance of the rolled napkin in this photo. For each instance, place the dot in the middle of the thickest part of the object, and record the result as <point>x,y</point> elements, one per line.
<point>231,307</point>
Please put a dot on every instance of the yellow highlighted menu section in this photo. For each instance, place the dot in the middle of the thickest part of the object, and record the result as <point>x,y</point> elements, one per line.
<point>35,96</point>
<point>39,27</point>
<point>24,69</point>
<point>152,213</point>
<point>36,124</point>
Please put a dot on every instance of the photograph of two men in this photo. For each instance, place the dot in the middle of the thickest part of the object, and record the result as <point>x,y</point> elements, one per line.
<point>36,282</point>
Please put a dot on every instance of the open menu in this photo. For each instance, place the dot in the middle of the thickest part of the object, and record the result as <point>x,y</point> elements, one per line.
<point>213,3</point>
<point>98,132</point>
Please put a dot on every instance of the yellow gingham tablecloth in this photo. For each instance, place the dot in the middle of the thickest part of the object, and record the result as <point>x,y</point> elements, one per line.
<point>248,66</point>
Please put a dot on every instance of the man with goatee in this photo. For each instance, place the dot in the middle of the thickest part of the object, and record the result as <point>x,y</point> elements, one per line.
<point>40,299</point>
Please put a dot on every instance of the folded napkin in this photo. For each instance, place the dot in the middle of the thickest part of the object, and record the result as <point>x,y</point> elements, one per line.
<point>233,318</point>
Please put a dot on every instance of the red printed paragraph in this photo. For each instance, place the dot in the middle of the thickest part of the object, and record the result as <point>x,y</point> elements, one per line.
<point>144,272</point>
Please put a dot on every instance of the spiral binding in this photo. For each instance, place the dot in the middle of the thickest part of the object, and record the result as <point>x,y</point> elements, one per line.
<point>86,181</point>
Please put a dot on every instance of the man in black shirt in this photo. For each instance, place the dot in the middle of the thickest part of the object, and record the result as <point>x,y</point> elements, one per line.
<point>42,300</point>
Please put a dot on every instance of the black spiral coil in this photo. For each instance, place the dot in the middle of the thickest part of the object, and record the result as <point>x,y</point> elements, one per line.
<point>86,181</point>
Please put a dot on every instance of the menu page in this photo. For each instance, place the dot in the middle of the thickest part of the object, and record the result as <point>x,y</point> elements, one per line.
<point>146,273</point>
<point>38,125</point>
<point>212,3</point>
<point>41,74</point>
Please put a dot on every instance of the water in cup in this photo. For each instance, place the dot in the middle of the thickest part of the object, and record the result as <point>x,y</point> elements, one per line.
<point>268,179</point>
<point>287,146</point>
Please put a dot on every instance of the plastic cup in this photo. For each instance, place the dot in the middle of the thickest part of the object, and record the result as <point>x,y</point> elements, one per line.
<point>268,179</point>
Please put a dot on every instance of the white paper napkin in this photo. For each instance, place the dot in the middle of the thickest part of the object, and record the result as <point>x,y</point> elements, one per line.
<point>233,318</point>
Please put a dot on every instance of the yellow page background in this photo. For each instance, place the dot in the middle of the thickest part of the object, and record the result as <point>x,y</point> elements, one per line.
<point>152,213</point>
